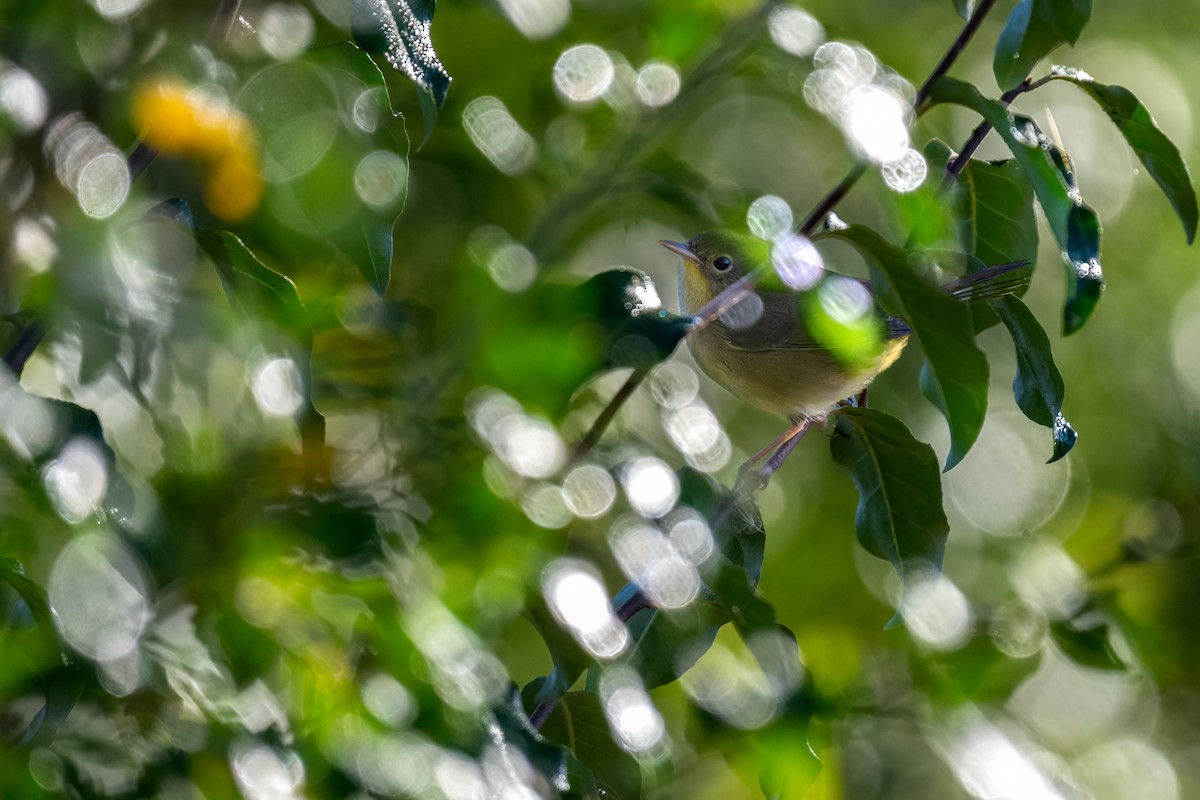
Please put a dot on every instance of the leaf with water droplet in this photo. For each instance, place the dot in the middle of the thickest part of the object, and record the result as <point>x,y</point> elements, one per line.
<point>399,30</point>
<point>1038,385</point>
<point>1064,438</point>
<point>1075,225</point>
<point>1086,283</point>
<point>900,517</point>
<point>1034,28</point>
<point>1153,148</point>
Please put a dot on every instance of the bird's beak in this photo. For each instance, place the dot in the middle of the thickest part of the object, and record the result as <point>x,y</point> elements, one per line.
<point>680,249</point>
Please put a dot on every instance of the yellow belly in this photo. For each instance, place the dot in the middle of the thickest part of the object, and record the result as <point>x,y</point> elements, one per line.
<point>792,383</point>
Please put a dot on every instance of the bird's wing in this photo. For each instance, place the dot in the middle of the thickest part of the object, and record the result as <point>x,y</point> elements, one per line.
<point>779,328</point>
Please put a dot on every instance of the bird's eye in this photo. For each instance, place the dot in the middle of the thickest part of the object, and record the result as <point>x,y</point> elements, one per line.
<point>722,263</point>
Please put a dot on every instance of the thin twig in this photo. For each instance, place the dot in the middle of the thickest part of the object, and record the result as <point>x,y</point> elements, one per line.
<point>832,199</point>
<point>959,162</point>
<point>592,438</point>
<point>952,54</point>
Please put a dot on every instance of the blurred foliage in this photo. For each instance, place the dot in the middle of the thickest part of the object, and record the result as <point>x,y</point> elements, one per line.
<point>307,307</point>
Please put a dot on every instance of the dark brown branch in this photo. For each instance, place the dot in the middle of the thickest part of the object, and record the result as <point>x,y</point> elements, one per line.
<point>832,199</point>
<point>952,54</point>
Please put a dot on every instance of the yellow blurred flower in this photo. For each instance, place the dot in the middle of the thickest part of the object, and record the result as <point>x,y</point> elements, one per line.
<point>175,119</point>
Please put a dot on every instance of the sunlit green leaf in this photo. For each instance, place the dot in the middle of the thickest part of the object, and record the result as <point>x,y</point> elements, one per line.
<point>941,324</point>
<point>900,516</point>
<point>1034,28</point>
<point>1157,153</point>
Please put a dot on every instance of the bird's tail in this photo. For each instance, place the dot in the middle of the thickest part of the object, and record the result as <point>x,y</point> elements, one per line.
<point>990,283</point>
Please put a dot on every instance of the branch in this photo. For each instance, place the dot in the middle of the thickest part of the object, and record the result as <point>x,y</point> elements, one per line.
<point>606,416</point>
<point>952,54</point>
<point>959,162</point>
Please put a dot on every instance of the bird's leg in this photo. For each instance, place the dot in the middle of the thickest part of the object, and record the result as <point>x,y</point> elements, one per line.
<point>776,443</point>
<point>779,450</point>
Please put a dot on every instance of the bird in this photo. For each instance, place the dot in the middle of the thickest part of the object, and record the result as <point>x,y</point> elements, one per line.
<point>783,355</point>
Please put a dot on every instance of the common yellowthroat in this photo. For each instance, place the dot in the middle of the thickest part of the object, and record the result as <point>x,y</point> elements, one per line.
<point>780,356</point>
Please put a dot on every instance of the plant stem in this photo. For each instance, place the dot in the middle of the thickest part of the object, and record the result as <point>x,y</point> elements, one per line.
<point>606,416</point>
<point>832,199</point>
<point>952,54</point>
<point>959,162</point>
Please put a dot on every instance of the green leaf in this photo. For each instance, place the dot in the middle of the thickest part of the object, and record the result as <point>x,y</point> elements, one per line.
<point>259,291</point>
<point>1064,438</point>
<point>1087,643</point>
<point>964,8</point>
<point>1157,153</point>
<point>900,516</point>
<point>666,644</point>
<point>570,660</point>
<point>942,324</point>
<point>1034,28</point>
<point>383,171</point>
<point>62,681</point>
<point>508,726</point>
<point>1038,386</point>
<point>741,536</point>
<point>399,30</point>
<point>1075,225</point>
<point>994,206</point>
<point>1086,284</point>
<point>579,723</point>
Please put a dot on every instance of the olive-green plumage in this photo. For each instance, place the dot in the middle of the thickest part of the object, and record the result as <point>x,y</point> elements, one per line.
<point>774,363</point>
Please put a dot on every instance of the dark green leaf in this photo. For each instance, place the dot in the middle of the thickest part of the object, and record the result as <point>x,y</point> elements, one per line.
<point>1034,28</point>
<point>994,206</point>
<point>1087,644</point>
<point>941,324</point>
<point>509,727</point>
<point>740,536</point>
<point>61,680</point>
<point>1157,153</point>
<point>570,660</point>
<point>1038,386</point>
<point>399,29</point>
<point>1085,285</point>
<point>257,290</point>
<point>900,516</point>
<point>666,644</point>
<point>579,723</point>
<point>638,331</point>
<point>1064,438</point>
<point>1075,225</point>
